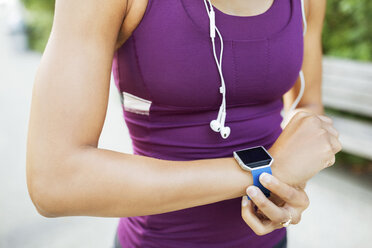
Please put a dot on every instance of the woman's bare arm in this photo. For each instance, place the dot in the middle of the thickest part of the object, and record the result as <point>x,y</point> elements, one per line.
<point>66,173</point>
<point>312,63</point>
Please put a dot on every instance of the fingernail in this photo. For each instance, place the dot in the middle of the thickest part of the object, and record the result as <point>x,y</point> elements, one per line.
<point>266,177</point>
<point>244,201</point>
<point>251,191</point>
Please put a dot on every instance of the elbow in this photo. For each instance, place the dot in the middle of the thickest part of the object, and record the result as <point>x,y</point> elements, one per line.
<point>43,211</point>
<point>43,188</point>
<point>41,194</point>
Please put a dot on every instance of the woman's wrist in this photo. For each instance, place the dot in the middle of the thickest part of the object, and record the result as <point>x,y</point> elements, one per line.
<point>242,178</point>
<point>277,171</point>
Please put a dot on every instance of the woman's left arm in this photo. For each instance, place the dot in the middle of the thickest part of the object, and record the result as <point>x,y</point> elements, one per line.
<point>289,202</point>
<point>312,62</point>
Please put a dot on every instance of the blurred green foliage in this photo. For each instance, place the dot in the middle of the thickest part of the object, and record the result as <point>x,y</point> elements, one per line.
<point>39,19</point>
<point>348,29</point>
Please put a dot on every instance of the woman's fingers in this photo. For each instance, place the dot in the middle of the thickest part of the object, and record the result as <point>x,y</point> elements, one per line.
<point>249,216</point>
<point>331,129</point>
<point>326,119</point>
<point>327,124</point>
<point>283,190</point>
<point>267,207</point>
<point>296,199</point>
<point>335,143</point>
<point>333,139</point>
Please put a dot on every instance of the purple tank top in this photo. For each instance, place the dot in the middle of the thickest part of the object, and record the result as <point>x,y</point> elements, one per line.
<point>170,83</point>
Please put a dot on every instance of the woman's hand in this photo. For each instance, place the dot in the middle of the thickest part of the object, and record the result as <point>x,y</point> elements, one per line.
<point>287,203</point>
<point>307,145</point>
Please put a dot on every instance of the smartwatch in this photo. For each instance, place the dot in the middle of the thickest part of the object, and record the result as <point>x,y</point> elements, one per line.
<point>256,160</point>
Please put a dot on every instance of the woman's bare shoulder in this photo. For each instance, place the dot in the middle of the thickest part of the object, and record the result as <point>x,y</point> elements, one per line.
<point>133,16</point>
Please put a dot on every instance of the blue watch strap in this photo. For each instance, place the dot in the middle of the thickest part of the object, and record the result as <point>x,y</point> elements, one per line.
<point>256,182</point>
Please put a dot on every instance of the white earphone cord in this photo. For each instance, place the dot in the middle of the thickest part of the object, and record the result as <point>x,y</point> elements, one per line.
<point>213,29</point>
<point>303,17</point>
<point>218,63</point>
<point>302,78</point>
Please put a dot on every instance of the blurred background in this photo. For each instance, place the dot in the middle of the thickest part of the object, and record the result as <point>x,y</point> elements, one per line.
<point>340,214</point>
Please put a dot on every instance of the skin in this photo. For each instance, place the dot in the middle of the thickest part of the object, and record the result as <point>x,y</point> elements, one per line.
<point>68,175</point>
<point>242,8</point>
<point>312,102</point>
<point>312,63</point>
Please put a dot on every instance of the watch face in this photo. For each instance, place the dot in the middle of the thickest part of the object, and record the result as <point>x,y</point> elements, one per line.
<point>254,157</point>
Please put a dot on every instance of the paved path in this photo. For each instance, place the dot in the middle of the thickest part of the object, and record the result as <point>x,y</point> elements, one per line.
<point>339,216</point>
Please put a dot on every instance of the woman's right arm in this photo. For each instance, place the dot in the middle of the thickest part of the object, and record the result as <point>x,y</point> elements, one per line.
<point>67,174</point>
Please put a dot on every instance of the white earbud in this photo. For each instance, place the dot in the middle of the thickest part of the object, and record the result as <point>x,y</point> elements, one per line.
<point>216,124</point>
<point>225,131</point>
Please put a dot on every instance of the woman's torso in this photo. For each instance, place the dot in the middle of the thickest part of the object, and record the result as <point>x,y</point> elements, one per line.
<point>171,84</point>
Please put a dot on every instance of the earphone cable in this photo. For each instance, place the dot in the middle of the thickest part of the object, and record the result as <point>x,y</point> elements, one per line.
<point>218,62</point>
<point>300,94</point>
<point>303,17</point>
<point>214,29</point>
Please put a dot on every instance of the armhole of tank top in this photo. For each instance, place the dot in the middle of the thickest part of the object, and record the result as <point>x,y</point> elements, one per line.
<point>131,102</point>
<point>143,19</point>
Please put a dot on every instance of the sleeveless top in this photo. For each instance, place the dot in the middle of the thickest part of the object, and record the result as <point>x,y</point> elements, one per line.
<point>169,83</point>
